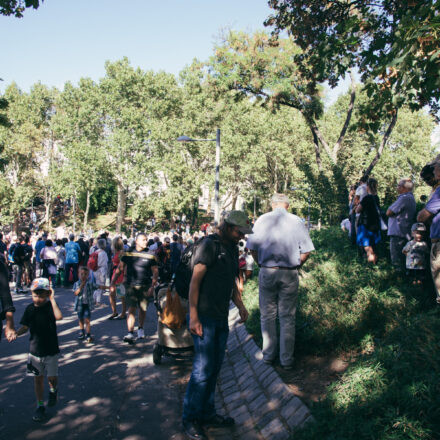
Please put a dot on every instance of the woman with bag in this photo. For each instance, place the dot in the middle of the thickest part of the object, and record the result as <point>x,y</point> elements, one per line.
<point>48,257</point>
<point>118,290</point>
<point>369,224</point>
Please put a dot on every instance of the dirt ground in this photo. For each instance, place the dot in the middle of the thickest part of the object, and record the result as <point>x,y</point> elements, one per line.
<point>313,374</point>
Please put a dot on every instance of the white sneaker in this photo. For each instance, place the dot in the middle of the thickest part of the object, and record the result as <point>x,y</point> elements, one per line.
<point>141,334</point>
<point>129,337</point>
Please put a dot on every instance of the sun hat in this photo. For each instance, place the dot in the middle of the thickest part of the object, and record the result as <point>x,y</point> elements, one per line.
<point>240,219</point>
<point>419,227</point>
<point>40,284</point>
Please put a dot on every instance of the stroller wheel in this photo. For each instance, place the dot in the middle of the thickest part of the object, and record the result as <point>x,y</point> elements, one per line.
<point>157,354</point>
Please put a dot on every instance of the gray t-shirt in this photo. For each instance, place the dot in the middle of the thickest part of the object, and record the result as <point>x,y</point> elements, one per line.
<point>280,238</point>
<point>404,209</point>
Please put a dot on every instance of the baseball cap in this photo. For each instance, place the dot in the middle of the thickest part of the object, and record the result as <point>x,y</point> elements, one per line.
<point>240,219</point>
<point>419,227</point>
<point>40,284</point>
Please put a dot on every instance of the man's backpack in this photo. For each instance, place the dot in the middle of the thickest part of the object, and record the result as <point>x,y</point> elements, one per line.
<point>92,262</point>
<point>183,274</point>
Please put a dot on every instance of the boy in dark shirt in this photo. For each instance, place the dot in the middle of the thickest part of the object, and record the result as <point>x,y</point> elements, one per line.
<point>40,318</point>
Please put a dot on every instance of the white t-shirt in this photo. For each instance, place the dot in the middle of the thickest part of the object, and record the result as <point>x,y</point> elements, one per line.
<point>346,224</point>
<point>361,191</point>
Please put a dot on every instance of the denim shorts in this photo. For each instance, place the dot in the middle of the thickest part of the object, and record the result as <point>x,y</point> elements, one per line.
<point>84,312</point>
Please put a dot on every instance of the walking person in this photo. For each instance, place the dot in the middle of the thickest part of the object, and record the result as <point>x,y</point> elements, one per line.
<point>83,290</point>
<point>213,283</point>
<point>7,308</point>
<point>100,273</point>
<point>281,245</point>
<point>119,290</point>
<point>73,251</point>
<point>140,267</point>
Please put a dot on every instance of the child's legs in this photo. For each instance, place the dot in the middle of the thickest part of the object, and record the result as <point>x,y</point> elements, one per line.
<point>87,320</point>
<point>39,387</point>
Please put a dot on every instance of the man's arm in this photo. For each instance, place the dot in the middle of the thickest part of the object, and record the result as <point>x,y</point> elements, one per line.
<point>390,213</point>
<point>238,301</point>
<point>303,258</point>
<point>199,272</point>
<point>22,330</point>
<point>155,272</point>
<point>10,332</point>
<point>424,216</point>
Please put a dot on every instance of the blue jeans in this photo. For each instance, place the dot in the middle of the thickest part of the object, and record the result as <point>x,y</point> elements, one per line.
<point>209,351</point>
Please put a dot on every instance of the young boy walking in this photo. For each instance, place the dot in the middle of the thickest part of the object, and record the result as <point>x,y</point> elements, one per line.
<point>40,318</point>
<point>83,290</point>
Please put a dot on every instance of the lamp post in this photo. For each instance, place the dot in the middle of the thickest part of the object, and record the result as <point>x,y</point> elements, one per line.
<point>217,170</point>
<point>309,190</point>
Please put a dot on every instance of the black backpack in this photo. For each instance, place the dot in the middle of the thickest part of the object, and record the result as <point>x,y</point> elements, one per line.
<point>183,274</point>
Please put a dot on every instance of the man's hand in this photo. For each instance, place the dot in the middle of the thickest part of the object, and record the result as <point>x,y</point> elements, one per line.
<point>11,334</point>
<point>244,315</point>
<point>195,327</point>
<point>52,295</point>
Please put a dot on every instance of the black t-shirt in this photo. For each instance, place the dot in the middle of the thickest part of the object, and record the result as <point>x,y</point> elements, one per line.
<point>19,254</point>
<point>3,249</point>
<point>42,325</point>
<point>217,285</point>
<point>139,266</point>
<point>28,251</point>
<point>369,214</point>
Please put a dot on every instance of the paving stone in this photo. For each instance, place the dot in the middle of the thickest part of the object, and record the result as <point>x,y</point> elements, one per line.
<point>230,397</point>
<point>268,380</point>
<point>290,409</point>
<point>239,410</point>
<point>249,435</point>
<point>252,393</point>
<point>270,424</point>
<point>277,387</point>
<point>227,376</point>
<point>298,417</point>
<point>260,400</point>
<point>243,417</point>
<point>250,382</point>
<point>262,369</point>
<point>234,405</point>
<point>229,384</point>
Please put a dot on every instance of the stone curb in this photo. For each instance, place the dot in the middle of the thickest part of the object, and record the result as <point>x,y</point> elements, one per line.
<point>252,392</point>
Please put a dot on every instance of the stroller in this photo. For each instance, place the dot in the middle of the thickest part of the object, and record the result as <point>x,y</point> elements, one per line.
<point>171,342</point>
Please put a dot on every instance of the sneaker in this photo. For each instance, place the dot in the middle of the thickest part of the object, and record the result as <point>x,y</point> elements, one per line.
<point>219,421</point>
<point>39,414</point>
<point>141,334</point>
<point>129,337</point>
<point>194,431</point>
<point>89,339</point>
<point>52,398</point>
<point>81,336</point>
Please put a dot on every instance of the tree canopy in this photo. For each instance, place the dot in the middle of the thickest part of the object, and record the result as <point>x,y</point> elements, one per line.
<point>17,7</point>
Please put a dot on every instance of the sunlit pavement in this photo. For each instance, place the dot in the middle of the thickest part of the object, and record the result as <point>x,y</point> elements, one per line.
<point>107,390</point>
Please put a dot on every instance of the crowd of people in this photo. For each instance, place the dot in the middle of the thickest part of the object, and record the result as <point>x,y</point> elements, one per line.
<point>412,235</point>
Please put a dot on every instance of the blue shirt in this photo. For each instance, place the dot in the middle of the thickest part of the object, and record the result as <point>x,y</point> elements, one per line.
<point>404,209</point>
<point>280,238</point>
<point>433,206</point>
<point>72,252</point>
<point>38,246</point>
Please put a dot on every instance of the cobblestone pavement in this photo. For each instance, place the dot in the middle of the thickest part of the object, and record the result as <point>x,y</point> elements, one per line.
<point>253,393</point>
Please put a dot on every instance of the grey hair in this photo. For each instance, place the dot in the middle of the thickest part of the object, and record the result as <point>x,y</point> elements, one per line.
<point>102,243</point>
<point>407,183</point>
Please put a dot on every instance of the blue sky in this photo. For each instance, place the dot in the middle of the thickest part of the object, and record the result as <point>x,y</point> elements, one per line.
<point>65,40</point>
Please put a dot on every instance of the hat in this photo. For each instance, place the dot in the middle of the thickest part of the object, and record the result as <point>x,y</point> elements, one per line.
<point>167,240</point>
<point>240,219</point>
<point>280,198</point>
<point>40,284</point>
<point>419,227</point>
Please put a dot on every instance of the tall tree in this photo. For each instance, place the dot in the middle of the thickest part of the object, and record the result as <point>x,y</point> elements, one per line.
<point>17,7</point>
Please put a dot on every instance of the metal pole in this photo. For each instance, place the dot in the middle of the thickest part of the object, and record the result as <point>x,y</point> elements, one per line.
<point>217,180</point>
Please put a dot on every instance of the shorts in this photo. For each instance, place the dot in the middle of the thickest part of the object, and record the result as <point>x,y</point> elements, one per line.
<point>136,296</point>
<point>365,237</point>
<point>42,366</point>
<point>84,312</point>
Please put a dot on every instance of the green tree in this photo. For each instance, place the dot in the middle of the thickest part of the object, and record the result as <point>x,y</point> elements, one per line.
<point>17,7</point>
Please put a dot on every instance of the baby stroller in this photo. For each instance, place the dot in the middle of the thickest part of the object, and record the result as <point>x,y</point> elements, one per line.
<point>171,342</point>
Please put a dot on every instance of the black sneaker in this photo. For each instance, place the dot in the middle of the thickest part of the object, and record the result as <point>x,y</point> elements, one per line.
<point>219,421</point>
<point>39,414</point>
<point>194,431</point>
<point>89,339</point>
<point>81,336</point>
<point>52,398</point>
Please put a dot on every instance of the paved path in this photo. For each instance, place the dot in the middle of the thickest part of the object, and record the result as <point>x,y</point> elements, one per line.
<point>110,390</point>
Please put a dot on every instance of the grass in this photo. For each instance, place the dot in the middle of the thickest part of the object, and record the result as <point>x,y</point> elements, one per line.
<point>392,390</point>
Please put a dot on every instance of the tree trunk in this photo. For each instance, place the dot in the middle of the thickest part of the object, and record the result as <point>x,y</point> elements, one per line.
<point>122,205</point>
<point>234,199</point>
<point>16,224</point>
<point>86,212</point>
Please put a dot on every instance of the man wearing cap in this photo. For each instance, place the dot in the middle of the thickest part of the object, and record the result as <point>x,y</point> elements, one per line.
<point>213,285</point>
<point>431,213</point>
<point>281,245</point>
<point>401,216</point>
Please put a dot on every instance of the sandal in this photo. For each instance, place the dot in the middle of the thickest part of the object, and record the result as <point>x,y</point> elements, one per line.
<point>113,316</point>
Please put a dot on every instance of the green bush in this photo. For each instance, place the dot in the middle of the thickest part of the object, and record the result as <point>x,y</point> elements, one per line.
<point>392,391</point>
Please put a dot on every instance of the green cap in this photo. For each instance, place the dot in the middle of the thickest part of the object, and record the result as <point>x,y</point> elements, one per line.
<point>240,219</point>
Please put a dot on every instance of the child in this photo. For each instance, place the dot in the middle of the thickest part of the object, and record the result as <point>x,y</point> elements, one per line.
<point>40,318</point>
<point>416,252</point>
<point>83,290</point>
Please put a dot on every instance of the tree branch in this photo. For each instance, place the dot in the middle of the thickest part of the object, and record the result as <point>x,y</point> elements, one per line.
<point>382,145</point>
<point>338,144</point>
